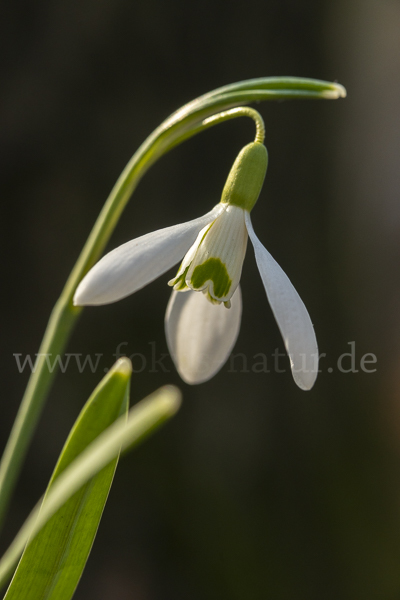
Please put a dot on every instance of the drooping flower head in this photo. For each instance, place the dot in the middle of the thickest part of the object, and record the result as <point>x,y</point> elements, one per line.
<point>202,328</point>
<point>213,265</point>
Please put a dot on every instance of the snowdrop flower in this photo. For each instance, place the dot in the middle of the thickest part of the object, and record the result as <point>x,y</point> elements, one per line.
<point>202,328</point>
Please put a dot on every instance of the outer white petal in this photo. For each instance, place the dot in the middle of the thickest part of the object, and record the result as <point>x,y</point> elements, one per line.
<point>201,335</point>
<point>290,313</point>
<point>133,265</point>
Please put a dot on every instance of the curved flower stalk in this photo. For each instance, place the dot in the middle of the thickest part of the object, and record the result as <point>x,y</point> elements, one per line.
<point>202,328</point>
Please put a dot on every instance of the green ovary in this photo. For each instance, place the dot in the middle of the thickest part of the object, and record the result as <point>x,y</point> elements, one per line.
<point>213,269</point>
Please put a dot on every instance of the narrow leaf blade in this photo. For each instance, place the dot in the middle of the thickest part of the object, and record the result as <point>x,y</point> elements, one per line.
<point>53,562</point>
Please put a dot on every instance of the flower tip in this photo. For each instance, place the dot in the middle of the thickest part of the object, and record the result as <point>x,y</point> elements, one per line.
<point>193,379</point>
<point>305,379</point>
<point>78,299</point>
<point>84,295</point>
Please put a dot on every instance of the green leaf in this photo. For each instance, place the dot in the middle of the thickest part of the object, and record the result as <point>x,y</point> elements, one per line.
<point>124,434</point>
<point>53,562</point>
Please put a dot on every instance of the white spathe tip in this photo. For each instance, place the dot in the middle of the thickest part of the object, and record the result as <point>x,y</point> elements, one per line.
<point>200,335</point>
<point>342,92</point>
<point>339,91</point>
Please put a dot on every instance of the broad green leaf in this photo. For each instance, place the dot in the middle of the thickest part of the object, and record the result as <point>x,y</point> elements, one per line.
<point>53,561</point>
<point>124,434</point>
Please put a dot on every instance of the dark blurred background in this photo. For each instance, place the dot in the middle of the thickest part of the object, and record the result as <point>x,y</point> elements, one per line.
<point>256,490</point>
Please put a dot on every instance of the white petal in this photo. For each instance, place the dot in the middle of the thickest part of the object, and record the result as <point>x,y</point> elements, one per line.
<point>201,335</point>
<point>133,265</point>
<point>226,241</point>
<point>290,313</point>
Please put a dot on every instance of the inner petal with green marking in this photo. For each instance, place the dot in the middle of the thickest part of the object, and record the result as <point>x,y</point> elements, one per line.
<point>213,273</point>
<point>213,265</point>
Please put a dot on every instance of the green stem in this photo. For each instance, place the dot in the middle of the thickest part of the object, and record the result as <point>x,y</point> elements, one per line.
<point>181,125</point>
<point>242,111</point>
<point>57,332</point>
<point>233,113</point>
